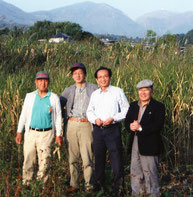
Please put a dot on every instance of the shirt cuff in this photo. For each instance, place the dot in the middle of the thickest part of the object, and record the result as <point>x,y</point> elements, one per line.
<point>58,133</point>
<point>115,119</point>
<point>140,129</point>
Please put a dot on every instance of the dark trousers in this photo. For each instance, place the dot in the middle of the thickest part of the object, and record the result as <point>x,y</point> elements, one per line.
<point>108,138</point>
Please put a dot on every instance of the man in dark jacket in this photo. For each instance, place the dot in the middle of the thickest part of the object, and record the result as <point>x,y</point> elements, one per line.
<point>144,120</point>
<point>79,130</point>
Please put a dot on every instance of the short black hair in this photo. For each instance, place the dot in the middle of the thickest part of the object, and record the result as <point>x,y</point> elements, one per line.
<point>73,69</point>
<point>103,68</point>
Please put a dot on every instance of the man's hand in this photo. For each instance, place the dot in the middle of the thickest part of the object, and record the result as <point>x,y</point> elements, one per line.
<point>98,122</point>
<point>18,138</point>
<point>108,121</point>
<point>134,126</point>
<point>58,140</point>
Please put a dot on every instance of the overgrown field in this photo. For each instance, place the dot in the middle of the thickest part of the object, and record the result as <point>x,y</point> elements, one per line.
<point>173,78</point>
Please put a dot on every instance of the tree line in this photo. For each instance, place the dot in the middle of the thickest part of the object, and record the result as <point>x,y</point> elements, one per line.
<point>47,29</point>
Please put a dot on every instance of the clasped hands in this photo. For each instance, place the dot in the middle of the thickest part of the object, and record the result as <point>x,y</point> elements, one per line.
<point>134,126</point>
<point>108,121</point>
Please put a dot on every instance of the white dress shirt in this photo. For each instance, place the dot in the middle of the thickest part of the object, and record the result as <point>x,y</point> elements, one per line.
<point>105,104</point>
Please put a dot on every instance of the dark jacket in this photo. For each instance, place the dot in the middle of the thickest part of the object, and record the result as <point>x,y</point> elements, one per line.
<point>67,98</point>
<point>149,139</point>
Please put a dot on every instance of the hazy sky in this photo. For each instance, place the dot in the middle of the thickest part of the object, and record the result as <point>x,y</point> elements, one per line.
<point>132,8</point>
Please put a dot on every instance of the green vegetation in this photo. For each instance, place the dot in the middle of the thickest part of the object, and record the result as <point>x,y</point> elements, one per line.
<point>173,77</point>
<point>187,38</point>
<point>47,29</point>
<point>151,36</point>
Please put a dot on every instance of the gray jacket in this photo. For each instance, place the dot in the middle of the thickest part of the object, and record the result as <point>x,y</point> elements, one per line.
<point>67,98</point>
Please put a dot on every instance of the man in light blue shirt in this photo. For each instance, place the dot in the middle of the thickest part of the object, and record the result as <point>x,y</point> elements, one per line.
<point>41,117</point>
<point>41,113</point>
<point>107,108</point>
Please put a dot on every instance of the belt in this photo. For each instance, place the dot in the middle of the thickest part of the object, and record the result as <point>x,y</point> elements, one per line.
<point>78,119</point>
<point>107,126</point>
<point>40,130</point>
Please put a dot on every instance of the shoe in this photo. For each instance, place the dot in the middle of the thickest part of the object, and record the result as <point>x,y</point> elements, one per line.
<point>97,187</point>
<point>72,189</point>
<point>89,189</point>
<point>27,187</point>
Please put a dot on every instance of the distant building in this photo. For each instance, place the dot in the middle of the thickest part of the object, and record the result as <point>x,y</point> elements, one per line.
<point>106,41</point>
<point>180,50</point>
<point>42,40</point>
<point>60,38</point>
<point>133,44</point>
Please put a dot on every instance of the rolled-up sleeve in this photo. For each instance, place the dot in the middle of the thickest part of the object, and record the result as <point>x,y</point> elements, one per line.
<point>90,113</point>
<point>58,117</point>
<point>23,116</point>
<point>123,107</point>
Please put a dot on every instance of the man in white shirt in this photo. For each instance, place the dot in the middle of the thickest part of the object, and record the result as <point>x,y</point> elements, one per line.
<point>107,108</point>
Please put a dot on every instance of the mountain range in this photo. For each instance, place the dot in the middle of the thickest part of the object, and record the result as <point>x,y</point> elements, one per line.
<point>101,18</point>
<point>163,22</point>
<point>10,14</point>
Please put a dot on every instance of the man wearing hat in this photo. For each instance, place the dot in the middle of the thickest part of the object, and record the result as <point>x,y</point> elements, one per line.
<point>79,131</point>
<point>144,120</point>
<point>41,117</point>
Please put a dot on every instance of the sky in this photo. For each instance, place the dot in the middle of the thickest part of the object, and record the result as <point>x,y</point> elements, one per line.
<point>132,8</point>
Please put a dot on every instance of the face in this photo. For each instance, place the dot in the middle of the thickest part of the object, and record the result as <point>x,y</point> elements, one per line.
<point>145,94</point>
<point>42,84</point>
<point>78,76</point>
<point>103,78</point>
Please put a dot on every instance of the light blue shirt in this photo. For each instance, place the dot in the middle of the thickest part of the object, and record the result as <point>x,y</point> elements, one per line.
<point>41,112</point>
<point>105,104</point>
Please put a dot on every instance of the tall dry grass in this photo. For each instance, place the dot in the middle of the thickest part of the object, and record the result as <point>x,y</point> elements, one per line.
<point>20,60</point>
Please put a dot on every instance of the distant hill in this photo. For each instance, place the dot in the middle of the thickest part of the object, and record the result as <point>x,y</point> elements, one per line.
<point>10,14</point>
<point>101,19</point>
<point>163,22</point>
<point>95,18</point>
<point>92,17</point>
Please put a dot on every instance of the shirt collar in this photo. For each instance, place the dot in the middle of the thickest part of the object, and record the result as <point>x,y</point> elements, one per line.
<point>139,104</point>
<point>107,90</point>
<point>82,86</point>
<point>47,95</point>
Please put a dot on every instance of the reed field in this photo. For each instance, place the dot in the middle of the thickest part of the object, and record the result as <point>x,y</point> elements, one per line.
<point>173,77</point>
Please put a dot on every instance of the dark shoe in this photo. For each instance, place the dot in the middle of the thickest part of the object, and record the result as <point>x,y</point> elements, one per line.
<point>97,187</point>
<point>72,189</point>
<point>27,187</point>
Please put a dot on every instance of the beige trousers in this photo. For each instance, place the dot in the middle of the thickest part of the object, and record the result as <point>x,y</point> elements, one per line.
<point>36,143</point>
<point>79,140</point>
